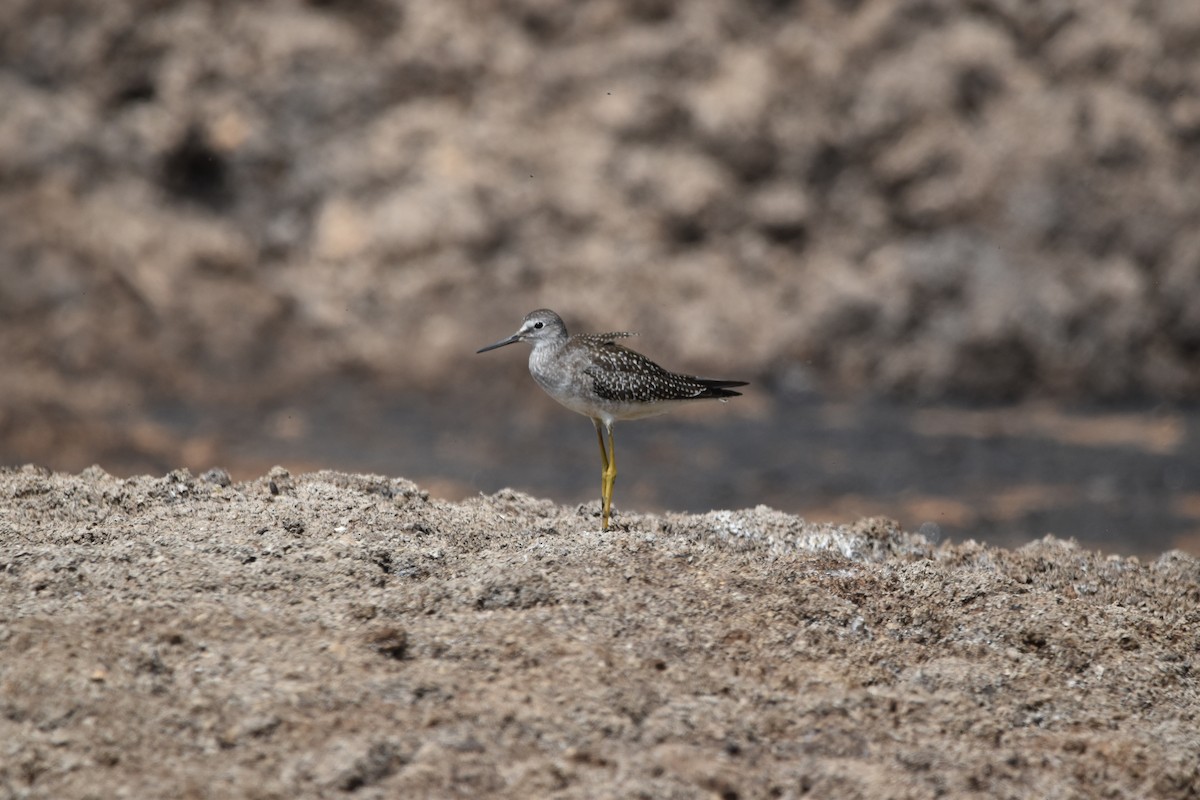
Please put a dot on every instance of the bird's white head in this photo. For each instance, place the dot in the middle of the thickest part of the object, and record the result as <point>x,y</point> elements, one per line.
<point>541,326</point>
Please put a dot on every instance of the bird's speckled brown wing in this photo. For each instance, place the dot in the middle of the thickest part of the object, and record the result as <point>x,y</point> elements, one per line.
<point>625,376</point>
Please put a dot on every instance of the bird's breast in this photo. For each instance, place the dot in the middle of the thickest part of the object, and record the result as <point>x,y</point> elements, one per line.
<point>561,375</point>
<point>550,371</point>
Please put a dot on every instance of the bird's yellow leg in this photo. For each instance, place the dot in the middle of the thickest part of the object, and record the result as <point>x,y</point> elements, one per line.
<point>603,450</point>
<point>610,474</point>
<point>603,472</point>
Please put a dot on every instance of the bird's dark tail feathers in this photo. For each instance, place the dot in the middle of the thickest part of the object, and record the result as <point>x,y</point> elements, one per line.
<point>719,388</point>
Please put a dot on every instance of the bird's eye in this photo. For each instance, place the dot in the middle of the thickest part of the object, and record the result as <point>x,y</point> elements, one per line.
<point>539,325</point>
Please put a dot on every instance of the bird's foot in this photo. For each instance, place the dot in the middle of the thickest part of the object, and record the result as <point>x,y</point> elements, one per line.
<point>608,521</point>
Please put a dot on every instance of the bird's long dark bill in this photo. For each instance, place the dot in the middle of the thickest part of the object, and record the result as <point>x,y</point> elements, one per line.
<point>501,343</point>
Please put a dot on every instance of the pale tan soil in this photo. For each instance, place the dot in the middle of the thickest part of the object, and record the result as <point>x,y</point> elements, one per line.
<point>333,635</point>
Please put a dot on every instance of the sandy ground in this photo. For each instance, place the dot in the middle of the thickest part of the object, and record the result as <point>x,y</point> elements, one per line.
<point>331,635</point>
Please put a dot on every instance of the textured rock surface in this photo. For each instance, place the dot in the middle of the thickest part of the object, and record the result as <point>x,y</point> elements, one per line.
<point>225,199</point>
<point>316,635</point>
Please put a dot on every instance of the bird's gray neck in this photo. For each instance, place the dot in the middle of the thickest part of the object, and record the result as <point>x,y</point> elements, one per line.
<point>542,360</point>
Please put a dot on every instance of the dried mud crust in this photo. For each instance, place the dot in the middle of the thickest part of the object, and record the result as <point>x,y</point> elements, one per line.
<point>345,635</point>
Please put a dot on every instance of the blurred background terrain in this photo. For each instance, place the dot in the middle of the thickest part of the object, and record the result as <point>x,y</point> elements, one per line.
<point>954,245</point>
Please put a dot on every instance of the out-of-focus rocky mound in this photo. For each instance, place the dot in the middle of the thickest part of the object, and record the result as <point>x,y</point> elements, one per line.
<point>224,201</point>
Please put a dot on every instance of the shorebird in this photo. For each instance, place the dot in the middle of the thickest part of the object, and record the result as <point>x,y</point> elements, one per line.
<point>593,375</point>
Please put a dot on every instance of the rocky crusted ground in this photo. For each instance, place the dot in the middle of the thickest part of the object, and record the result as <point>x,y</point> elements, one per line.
<point>215,203</point>
<point>333,635</point>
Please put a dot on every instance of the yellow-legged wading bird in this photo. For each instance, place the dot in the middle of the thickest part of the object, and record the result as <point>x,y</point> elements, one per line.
<point>593,375</point>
